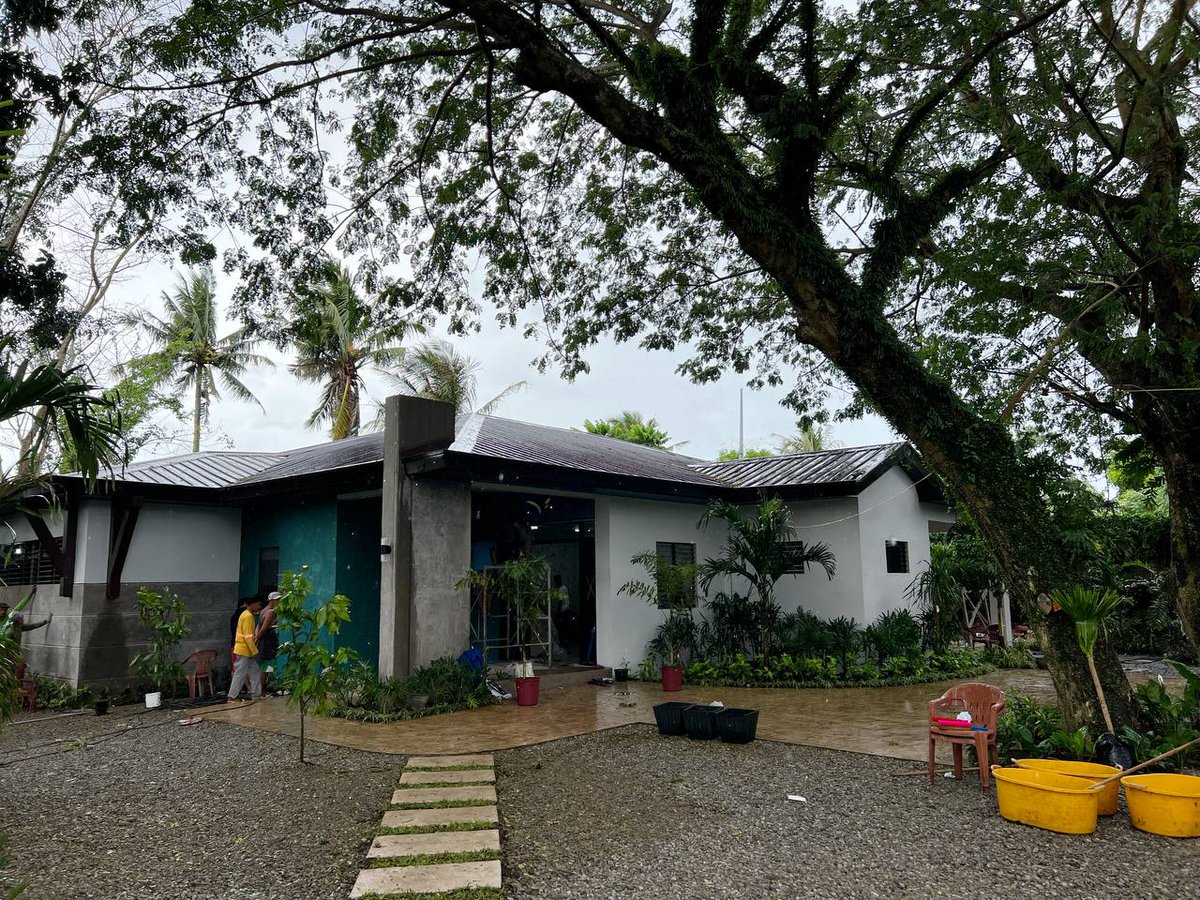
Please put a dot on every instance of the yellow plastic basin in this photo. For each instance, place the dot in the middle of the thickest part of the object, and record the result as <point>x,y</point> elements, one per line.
<point>1089,772</point>
<point>1046,800</point>
<point>1164,804</point>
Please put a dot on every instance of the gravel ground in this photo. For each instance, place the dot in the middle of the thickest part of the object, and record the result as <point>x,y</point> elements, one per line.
<point>629,814</point>
<point>142,810</point>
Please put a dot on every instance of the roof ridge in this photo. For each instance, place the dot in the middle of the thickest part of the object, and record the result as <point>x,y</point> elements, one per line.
<point>572,430</point>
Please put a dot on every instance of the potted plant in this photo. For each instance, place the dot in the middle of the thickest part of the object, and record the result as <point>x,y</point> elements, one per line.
<point>101,703</point>
<point>166,616</point>
<point>621,672</point>
<point>524,584</point>
<point>671,588</point>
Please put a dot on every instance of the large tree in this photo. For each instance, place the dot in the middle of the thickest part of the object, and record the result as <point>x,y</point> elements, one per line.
<point>338,336</point>
<point>191,354</point>
<point>955,208</point>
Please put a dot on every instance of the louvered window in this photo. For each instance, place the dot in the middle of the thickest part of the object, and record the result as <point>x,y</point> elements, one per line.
<point>26,563</point>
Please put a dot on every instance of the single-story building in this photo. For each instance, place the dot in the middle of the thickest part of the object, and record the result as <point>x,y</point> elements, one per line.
<point>394,519</point>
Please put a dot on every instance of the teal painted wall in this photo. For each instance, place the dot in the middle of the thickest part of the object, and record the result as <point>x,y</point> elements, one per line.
<point>358,534</point>
<point>338,541</point>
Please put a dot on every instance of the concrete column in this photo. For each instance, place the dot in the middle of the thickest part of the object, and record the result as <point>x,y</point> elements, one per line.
<point>414,427</point>
<point>395,567</point>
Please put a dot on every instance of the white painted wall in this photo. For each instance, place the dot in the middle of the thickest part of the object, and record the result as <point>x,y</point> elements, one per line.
<point>16,529</point>
<point>180,543</point>
<point>91,550</point>
<point>624,527</point>
<point>833,522</point>
<point>889,509</point>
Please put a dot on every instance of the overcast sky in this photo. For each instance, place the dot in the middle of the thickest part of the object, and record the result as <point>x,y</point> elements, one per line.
<point>622,377</point>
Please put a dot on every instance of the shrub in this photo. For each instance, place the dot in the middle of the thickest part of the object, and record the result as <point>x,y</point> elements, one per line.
<point>894,633</point>
<point>450,685</point>
<point>55,694</point>
<point>166,616</point>
<point>1014,656</point>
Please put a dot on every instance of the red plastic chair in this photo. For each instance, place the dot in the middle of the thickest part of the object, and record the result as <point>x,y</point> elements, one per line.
<point>203,661</point>
<point>985,703</point>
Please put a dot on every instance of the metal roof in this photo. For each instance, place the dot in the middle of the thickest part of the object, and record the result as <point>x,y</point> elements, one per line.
<point>206,469</point>
<point>849,465</point>
<point>328,457</point>
<point>506,439</point>
<point>839,471</point>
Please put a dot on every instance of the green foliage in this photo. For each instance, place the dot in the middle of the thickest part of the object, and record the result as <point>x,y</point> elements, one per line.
<point>894,633</point>
<point>670,587</point>
<point>55,694</point>
<point>437,370</point>
<point>10,660</point>
<point>311,666</point>
<point>1014,656</point>
<point>845,638</point>
<point>524,584</point>
<point>338,336</point>
<point>190,354</point>
<point>760,549</point>
<point>749,453</point>
<point>1089,609</point>
<point>632,427</point>
<point>165,614</point>
<point>786,671</point>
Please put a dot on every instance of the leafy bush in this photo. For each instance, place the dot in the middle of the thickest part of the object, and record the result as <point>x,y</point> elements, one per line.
<point>1149,626</point>
<point>450,684</point>
<point>166,616</point>
<point>1028,729</point>
<point>55,694</point>
<point>785,670</point>
<point>894,633</point>
<point>1014,656</point>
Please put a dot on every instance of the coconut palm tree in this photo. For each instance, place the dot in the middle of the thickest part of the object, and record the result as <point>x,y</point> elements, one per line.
<point>186,337</point>
<point>809,439</point>
<point>337,338</point>
<point>634,428</point>
<point>436,370</point>
<point>760,549</point>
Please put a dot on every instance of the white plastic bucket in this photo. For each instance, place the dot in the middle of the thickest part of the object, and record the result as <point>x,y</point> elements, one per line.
<point>154,700</point>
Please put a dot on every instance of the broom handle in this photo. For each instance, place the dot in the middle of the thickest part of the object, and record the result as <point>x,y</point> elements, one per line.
<point>1148,762</point>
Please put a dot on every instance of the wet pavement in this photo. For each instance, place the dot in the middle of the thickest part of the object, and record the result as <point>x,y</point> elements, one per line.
<point>880,721</point>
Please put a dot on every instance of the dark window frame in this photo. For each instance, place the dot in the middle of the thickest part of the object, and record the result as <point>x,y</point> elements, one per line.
<point>895,555</point>
<point>672,553</point>
<point>263,586</point>
<point>782,547</point>
<point>26,564</point>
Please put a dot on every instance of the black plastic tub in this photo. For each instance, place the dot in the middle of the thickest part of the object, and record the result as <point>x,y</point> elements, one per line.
<point>669,717</point>
<point>737,726</point>
<point>620,674</point>
<point>700,722</point>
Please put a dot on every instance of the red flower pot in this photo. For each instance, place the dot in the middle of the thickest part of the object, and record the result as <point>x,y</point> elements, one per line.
<point>672,678</point>
<point>527,691</point>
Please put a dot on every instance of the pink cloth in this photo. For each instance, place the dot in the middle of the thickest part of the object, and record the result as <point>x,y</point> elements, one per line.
<point>952,723</point>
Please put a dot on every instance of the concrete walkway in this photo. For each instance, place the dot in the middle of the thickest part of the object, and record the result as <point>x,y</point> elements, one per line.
<point>878,721</point>
<point>436,840</point>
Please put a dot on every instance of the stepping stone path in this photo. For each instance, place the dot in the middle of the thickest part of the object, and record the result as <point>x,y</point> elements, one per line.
<point>431,831</point>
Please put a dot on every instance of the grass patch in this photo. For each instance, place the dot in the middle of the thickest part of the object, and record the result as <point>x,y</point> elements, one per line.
<point>480,825</point>
<point>460,894</point>
<point>420,785</point>
<point>431,859</point>
<point>474,768</point>
<point>443,804</point>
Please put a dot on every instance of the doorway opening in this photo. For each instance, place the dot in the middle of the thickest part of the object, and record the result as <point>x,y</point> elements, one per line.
<point>561,530</point>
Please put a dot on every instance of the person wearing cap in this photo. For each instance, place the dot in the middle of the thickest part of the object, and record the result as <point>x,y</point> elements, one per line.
<point>245,653</point>
<point>267,637</point>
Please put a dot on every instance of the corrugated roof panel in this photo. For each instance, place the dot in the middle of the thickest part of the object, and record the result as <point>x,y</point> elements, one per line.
<point>848,465</point>
<point>506,439</point>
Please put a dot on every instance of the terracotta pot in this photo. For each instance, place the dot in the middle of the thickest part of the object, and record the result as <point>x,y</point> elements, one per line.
<point>672,678</point>
<point>527,691</point>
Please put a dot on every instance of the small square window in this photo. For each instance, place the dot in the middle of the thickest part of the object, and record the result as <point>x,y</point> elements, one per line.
<point>789,549</point>
<point>897,556</point>
<point>676,574</point>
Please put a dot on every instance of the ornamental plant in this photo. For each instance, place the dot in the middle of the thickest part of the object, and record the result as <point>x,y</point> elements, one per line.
<point>165,614</point>
<point>1088,608</point>
<point>311,664</point>
<point>524,584</point>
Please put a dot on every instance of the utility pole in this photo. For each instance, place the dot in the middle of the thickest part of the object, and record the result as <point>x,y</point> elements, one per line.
<point>741,423</point>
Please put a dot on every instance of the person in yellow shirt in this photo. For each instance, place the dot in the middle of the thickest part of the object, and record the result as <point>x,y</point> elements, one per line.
<point>245,653</point>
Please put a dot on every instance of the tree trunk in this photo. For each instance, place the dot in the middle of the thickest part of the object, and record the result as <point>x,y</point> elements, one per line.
<point>978,459</point>
<point>197,403</point>
<point>1181,465</point>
